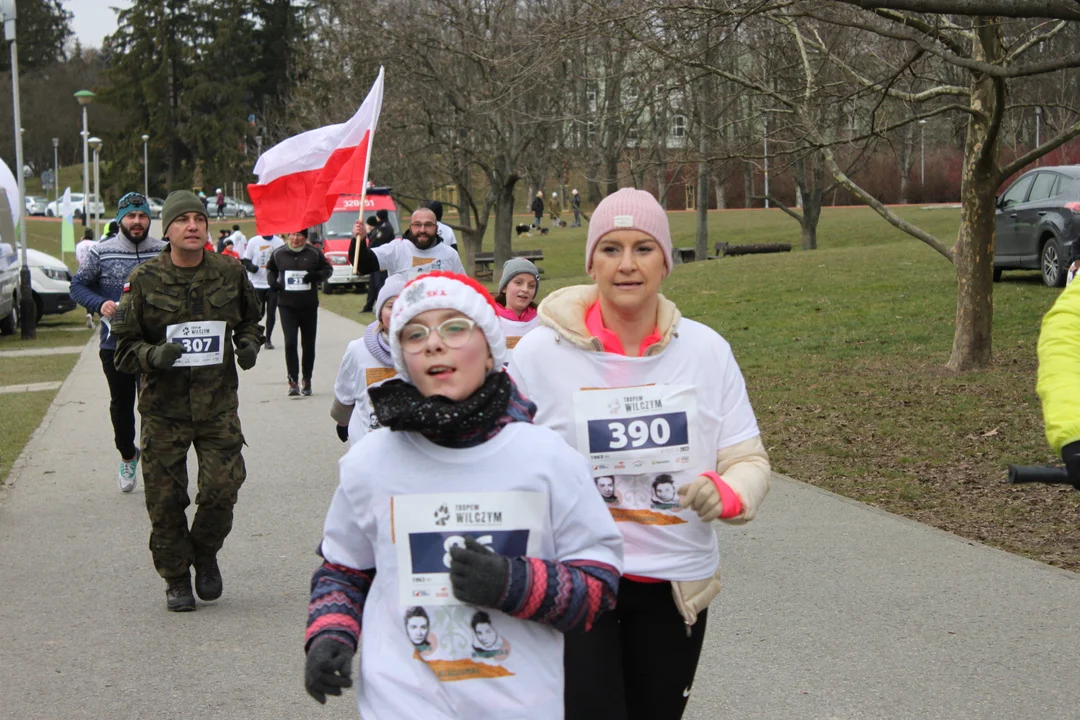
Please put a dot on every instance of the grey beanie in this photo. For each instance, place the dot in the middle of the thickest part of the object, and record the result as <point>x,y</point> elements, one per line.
<point>178,203</point>
<point>516,266</point>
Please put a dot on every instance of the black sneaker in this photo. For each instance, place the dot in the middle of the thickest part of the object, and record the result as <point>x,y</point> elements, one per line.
<point>207,578</point>
<point>269,345</point>
<point>294,389</point>
<point>306,387</point>
<point>178,597</point>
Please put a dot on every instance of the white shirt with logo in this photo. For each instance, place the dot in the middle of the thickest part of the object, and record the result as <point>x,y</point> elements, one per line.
<point>401,255</point>
<point>358,371</point>
<point>258,251</point>
<point>403,502</point>
<point>514,330</point>
<point>239,245</point>
<point>676,409</point>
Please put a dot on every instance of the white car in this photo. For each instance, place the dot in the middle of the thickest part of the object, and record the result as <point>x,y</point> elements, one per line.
<point>156,206</point>
<point>96,206</point>
<point>50,282</point>
<point>35,204</point>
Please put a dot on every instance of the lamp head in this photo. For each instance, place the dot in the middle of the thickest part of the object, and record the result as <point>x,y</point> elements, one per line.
<point>85,97</point>
<point>95,143</point>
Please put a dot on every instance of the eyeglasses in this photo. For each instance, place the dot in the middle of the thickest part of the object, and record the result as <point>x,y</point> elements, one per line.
<point>132,198</point>
<point>423,226</point>
<point>454,332</point>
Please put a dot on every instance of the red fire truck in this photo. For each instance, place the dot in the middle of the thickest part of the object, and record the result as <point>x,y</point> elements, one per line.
<point>336,233</point>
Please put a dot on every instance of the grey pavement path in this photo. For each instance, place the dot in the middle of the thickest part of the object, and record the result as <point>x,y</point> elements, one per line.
<point>831,609</point>
<point>68,350</point>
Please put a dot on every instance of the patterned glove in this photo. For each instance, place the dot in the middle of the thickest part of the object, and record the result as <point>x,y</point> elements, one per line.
<point>343,432</point>
<point>478,574</point>
<point>163,357</point>
<point>703,497</point>
<point>246,355</point>
<point>328,668</point>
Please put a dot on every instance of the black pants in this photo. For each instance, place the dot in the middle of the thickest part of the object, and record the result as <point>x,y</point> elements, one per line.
<point>375,282</point>
<point>637,663</point>
<point>123,390</point>
<point>306,321</point>
<point>268,298</point>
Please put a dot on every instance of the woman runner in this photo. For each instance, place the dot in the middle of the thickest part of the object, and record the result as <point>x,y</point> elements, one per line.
<point>658,406</point>
<point>463,540</point>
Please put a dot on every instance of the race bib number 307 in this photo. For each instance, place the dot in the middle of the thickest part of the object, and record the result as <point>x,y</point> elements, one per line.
<point>203,342</point>
<point>647,429</point>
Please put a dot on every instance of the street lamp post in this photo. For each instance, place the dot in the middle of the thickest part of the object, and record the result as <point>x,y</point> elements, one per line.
<point>26,296</point>
<point>765,120</point>
<point>922,153</point>
<point>145,167</point>
<point>95,145</point>
<point>56,167</point>
<point>85,97</point>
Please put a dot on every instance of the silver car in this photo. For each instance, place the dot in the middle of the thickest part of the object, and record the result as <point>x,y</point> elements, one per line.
<point>36,205</point>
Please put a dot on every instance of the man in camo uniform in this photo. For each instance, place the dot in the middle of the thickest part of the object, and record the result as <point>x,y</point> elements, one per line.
<point>180,316</point>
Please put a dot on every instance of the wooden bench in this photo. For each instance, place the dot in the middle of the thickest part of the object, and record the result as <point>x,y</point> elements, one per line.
<point>725,250</point>
<point>485,260</point>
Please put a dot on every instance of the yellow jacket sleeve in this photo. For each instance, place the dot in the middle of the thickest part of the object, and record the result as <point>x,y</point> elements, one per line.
<point>1059,369</point>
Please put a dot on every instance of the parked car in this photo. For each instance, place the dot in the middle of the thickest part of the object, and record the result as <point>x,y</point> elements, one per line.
<point>233,208</point>
<point>156,205</point>
<point>35,204</point>
<point>1038,223</point>
<point>96,206</point>
<point>9,289</point>
<point>50,282</point>
<point>336,234</point>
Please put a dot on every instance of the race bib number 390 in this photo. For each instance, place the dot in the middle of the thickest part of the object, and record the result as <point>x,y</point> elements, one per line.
<point>203,342</point>
<point>647,429</point>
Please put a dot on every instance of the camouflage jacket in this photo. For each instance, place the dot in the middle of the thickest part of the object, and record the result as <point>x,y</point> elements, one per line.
<point>159,294</point>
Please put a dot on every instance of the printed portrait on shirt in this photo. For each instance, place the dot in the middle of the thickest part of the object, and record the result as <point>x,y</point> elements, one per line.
<point>487,643</point>
<point>605,485</point>
<point>664,495</point>
<point>418,628</point>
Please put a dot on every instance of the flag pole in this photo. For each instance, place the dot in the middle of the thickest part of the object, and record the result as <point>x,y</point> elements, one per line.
<point>363,226</point>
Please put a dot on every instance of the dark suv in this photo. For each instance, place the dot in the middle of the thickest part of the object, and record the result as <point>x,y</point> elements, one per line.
<point>1038,223</point>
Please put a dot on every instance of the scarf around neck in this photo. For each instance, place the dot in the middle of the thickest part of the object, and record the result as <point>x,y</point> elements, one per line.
<point>377,344</point>
<point>473,421</point>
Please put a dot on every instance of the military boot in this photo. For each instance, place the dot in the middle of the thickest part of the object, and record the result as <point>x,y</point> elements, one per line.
<point>178,597</point>
<point>207,577</point>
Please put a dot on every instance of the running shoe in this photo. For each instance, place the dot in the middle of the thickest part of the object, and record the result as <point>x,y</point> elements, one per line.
<point>305,389</point>
<point>294,389</point>
<point>89,321</point>
<point>269,345</point>
<point>127,472</point>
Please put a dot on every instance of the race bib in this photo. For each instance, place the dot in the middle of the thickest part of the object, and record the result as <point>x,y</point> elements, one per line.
<point>203,342</point>
<point>294,281</point>
<point>645,429</point>
<point>425,527</point>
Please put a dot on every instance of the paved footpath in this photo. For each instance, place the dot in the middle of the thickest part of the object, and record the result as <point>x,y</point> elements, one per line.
<point>831,609</point>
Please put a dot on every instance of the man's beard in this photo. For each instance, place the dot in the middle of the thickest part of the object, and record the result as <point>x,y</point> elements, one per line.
<point>126,233</point>
<point>424,246</point>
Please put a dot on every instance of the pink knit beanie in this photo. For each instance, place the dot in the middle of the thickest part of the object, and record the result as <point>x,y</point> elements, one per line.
<point>629,209</point>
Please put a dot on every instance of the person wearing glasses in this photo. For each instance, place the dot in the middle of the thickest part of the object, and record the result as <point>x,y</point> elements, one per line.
<point>510,543</point>
<point>98,286</point>
<point>420,247</point>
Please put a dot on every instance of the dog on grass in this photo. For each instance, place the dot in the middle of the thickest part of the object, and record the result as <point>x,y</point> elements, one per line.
<point>527,230</point>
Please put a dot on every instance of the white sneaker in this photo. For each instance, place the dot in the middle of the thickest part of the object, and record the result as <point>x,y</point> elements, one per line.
<point>127,472</point>
<point>89,321</point>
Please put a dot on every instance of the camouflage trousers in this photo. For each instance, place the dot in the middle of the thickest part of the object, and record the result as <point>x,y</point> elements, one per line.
<point>165,444</point>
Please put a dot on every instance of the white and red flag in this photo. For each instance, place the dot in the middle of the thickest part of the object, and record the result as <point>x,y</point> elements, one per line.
<point>301,178</point>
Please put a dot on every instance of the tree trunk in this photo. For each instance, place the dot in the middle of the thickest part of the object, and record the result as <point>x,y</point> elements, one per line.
<point>720,191</point>
<point>504,223</point>
<point>471,239</point>
<point>974,250</point>
<point>701,239</point>
<point>810,216</point>
<point>748,185</point>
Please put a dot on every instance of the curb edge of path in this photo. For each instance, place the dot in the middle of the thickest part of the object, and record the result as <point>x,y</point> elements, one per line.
<point>1015,557</point>
<point>21,461</point>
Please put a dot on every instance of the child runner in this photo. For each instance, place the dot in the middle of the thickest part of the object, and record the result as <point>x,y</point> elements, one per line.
<point>658,406</point>
<point>461,507</point>
<point>367,361</point>
<point>516,301</point>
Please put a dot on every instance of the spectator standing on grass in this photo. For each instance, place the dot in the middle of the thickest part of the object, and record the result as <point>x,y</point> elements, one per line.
<point>537,208</point>
<point>223,235</point>
<point>575,203</point>
<point>220,198</point>
<point>98,286</point>
<point>644,366</point>
<point>556,210</point>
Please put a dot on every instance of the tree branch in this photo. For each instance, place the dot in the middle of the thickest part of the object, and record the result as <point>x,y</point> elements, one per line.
<point>1026,159</point>
<point>891,217</point>
<point>1051,9</point>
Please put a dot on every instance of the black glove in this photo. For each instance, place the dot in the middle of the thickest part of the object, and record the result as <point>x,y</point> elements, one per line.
<point>1071,455</point>
<point>250,265</point>
<point>478,574</point>
<point>343,432</point>
<point>163,357</point>
<point>246,354</point>
<point>311,277</point>
<point>328,668</point>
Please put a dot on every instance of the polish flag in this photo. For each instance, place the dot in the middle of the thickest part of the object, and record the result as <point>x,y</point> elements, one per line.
<point>301,178</point>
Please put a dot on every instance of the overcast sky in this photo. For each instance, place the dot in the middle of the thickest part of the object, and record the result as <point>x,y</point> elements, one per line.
<point>94,19</point>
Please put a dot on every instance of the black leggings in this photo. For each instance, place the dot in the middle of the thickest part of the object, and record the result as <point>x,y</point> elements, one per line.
<point>306,321</point>
<point>268,298</point>
<point>123,390</point>
<point>637,663</point>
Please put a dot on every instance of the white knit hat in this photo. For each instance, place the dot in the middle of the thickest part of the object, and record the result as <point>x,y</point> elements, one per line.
<point>390,289</point>
<point>442,290</point>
